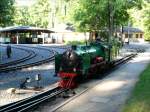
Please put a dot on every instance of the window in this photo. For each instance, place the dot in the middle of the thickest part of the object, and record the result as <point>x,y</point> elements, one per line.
<point>141,35</point>
<point>126,35</point>
<point>137,35</point>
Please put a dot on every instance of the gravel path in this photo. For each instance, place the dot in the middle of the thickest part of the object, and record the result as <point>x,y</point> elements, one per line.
<point>13,79</point>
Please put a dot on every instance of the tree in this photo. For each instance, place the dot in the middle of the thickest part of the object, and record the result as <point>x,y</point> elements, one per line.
<point>60,11</point>
<point>96,15</point>
<point>37,14</point>
<point>147,20</point>
<point>6,12</point>
<point>22,16</point>
<point>141,18</point>
<point>40,13</point>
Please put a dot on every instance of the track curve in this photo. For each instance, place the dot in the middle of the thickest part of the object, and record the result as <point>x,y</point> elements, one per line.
<point>31,54</point>
<point>42,61</point>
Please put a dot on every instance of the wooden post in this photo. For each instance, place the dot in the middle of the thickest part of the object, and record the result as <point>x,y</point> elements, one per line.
<point>17,38</point>
<point>43,38</point>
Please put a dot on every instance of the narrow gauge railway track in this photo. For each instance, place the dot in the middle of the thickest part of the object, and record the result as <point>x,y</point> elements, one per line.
<point>128,57</point>
<point>31,54</point>
<point>43,48</point>
<point>57,48</point>
<point>123,60</point>
<point>60,47</point>
<point>31,102</point>
<point>138,50</point>
<point>49,59</point>
<point>28,103</point>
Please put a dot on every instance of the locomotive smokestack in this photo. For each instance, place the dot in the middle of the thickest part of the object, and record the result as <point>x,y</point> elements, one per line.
<point>74,47</point>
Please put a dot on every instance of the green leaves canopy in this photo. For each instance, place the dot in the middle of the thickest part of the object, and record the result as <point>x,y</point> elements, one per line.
<point>36,15</point>
<point>93,15</point>
<point>147,20</point>
<point>141,18</point>
<point>6,12</point>
<point>40,13</point>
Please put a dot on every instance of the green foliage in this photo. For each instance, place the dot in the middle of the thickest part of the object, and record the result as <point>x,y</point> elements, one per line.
<point>60,10</point>
<point>40,13</point>
<point>44,13</point>
<point>36,15</point>
<point>6,12</point>
<point>147,35</point>
<point>88,15</point>
<point>63,10</point>
<point>141,18</point>
<point>147,21</point>
<point>134,3</point>
<point>94,15</point>
<point>97,15</point>
<point>22,16</point>
<point>75,42</point>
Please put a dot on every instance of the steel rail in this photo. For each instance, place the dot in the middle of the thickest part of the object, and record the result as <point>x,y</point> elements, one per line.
<point>60,47</point>
<point>10,105</point>
<point>128,57</point>
<point>49,59</point>
<point>31,54</point>
<point>124,59</point>
<point>28,103</point>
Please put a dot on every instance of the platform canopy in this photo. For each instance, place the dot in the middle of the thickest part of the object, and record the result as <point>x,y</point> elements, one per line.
<point>23,29</point>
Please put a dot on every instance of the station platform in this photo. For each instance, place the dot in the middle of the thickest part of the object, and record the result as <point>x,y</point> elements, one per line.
<point>110,93</point>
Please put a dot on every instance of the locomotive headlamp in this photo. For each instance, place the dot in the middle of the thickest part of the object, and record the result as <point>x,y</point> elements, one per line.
<point>74,69</point>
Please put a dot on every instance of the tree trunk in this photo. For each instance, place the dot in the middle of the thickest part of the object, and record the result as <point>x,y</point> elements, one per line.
<point>92,36</point>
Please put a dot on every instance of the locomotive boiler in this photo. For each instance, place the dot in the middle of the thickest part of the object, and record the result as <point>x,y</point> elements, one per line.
<point>83,62</point>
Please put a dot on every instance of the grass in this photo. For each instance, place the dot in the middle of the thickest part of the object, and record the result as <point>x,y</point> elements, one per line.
<point>140,98</point>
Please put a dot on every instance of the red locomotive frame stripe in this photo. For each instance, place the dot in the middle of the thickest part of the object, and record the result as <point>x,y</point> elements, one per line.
<point>67,80</point>
<point>69,75</point>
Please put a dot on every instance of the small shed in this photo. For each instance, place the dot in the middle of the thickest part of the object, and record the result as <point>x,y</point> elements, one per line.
<point>132,32</point>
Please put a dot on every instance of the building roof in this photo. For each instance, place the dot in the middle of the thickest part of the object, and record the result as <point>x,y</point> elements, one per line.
<point>131,30</point>
<point>22,29</point>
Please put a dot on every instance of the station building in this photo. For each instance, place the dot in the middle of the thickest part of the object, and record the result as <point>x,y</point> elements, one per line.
<point>25,35</point>
<point>34,35</point>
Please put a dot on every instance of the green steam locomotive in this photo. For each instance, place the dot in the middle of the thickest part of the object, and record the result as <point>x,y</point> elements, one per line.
<point>84,62</point>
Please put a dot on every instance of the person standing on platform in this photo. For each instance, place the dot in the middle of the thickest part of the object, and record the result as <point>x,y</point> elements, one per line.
<point>8,51</point>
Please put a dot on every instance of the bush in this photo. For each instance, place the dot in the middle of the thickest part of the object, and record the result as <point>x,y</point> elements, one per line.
<point>147,36</point>
<point>75,42</point>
